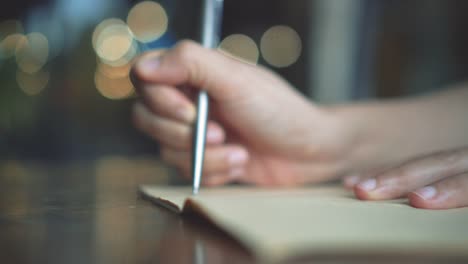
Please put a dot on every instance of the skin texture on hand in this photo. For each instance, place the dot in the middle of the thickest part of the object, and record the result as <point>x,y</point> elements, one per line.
<point>392,131</point>
<point>435,181</point>
<point>260,131</point>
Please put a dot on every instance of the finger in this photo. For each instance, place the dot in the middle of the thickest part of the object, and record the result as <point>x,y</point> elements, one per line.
<point>218,159</point>
<point>169,102</point>
<point>189,63</point>
<point>172,133</point>
<point>446,194</point>
<point>351,180</point>
<point>137,82</point>
<point>163,130</point>
<point>398,182</point>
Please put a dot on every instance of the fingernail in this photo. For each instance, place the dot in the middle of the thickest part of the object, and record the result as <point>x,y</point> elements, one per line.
<point>214,135</point>
<point>426,193</point>
<point>186,114</point>
<point>149,66</point>
<point>237,158</point>
<point>368,185</point>
<point>236,173</point>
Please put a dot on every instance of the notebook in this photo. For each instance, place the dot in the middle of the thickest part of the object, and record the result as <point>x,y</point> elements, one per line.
<point>281,224</point>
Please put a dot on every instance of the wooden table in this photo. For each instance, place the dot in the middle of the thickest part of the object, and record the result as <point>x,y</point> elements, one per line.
<point>90,212</point>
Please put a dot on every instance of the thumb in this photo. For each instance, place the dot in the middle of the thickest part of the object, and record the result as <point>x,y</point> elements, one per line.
<point>191,64</point>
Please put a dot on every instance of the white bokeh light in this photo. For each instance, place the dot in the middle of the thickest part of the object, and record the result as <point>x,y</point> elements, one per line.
<point>281,46</point>
<point>148,21</point>
<point>241,47</point>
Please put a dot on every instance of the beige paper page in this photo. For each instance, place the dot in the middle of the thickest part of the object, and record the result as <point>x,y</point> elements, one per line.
<point>282,224</point>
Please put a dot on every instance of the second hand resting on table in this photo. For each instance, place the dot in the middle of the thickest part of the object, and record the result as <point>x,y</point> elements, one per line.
<point>263,132</point>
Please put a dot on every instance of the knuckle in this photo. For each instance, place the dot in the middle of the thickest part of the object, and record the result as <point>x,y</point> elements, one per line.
<point>182,137</point>
<point>167,98</point>
<point>186,52</point>
<point>162,100</point>
<point>157,96</point>
<point>185,49</point>
<point>398,180</point>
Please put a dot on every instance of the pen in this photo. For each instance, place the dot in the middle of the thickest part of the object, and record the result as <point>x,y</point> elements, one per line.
<point>212,11</point>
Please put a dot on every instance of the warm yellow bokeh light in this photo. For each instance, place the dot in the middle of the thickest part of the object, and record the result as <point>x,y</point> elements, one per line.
<point>114,72</point>
<point>114,43</point>
<point>241,47</point>
<point>32,84</point>
<point>113,88</point>
<point>148,21</point>
<point>102,26</point>
<point>127,58</point>
<point>11,43</point>
<point>11,33</point>
<point>281,46</point>
<point>32,55</point>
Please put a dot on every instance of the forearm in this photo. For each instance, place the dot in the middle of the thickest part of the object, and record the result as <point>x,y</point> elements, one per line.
<point>392,131</point>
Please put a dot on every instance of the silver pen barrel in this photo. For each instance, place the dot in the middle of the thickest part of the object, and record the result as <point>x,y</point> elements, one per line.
<point>212,11</point>
<point>212,17</point>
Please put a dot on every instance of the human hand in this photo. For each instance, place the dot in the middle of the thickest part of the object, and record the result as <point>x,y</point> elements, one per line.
<point>261,130</point>
<point>436,181</point>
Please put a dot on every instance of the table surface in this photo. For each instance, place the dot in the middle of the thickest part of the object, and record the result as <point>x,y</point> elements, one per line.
<point>91,212</point>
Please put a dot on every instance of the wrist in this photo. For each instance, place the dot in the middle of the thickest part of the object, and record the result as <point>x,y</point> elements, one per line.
<point>355,148</point>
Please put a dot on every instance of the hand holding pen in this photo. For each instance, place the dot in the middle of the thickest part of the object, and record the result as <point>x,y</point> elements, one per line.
<point>260,128</point>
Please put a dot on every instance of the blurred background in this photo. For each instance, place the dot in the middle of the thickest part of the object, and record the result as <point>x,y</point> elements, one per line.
<point>70,158</point>
<point>65,95</point>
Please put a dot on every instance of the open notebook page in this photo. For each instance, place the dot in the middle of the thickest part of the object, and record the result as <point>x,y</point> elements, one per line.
<point>278,224</point>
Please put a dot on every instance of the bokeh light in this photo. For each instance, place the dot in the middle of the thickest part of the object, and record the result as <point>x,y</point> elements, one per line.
<point>32,54</point>
<point>32,84</point>
<point>10,44</point>
<point>11,33</point>
<point>148,21</point>
<point>114,82</point>
<point>113,42</point>
<point>102,26</point>
<point>241,47</point>
<point>114,72</point>
<point>281,46</point>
